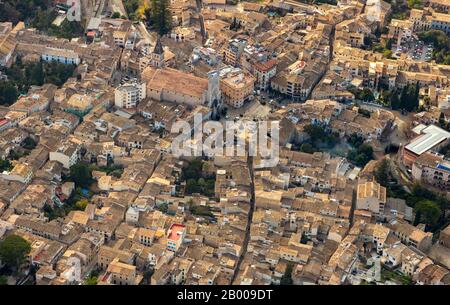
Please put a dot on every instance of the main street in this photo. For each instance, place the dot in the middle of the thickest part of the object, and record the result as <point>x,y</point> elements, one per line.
<point>249,221</point>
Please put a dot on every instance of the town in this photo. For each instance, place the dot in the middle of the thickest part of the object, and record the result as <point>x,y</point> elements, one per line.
<point>92,193</point>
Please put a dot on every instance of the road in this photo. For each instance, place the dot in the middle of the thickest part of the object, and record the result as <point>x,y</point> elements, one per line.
<point>400,173</point>
<point>117,6</point>
<point>145,34</point>
<point>327,68</point>
<point>249,221</point>
<point>101,8</point>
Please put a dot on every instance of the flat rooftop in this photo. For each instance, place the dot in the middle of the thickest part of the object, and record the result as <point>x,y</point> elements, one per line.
<point>431,136</point>
<point>175,232</point>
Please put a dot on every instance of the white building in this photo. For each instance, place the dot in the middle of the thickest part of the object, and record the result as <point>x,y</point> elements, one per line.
<point>264,72</point>
<point>22,172</point>
<point>68,153</point>
<point>175,237</point>
<point>371,196</point>
<point>132,215</point>
<point>61,55</point>
<point>441,22</point>
<point>129,95</point>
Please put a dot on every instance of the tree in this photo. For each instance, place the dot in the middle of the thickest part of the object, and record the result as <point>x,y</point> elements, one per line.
<point>366,150</point>
<point>193,170</point>
<point>387,53</point>
<point>364,112</point>
<point>286,279</point>
<point>428,212</point>
<point>200,210</point>
<point>91,280</point>
<point>37,74</point>
<point>3,280</point>
<point>8,93</point>
<point>417,218</point>
<point>389,43</point>
<point>67,29</point>
<point>29,143</point>
<point>160,16</point>
<point>224,111</point>
<point>395,101</point>
<point>382,173</point>
<point>131,7</point>
<point>365,95</point>
<point>307,148</point>
<point>80,173</point>
<point>417,4</point>
<point>21,10</point>
<point>5,165</point>
<point>163,207</point>
<point>315,132</point>
<point>82,204</point>
<point>43,19</point>
<point>441,44</point>
<point>13,251</point>
<point>355,140</point>
<point>367,41</point>
<point>148,275</point>
<point>409,97</point>
<point>115,15</point>
<point>361,155</point>
<point>192,186</point>
<point>304,238</point>
<point>58,73</point>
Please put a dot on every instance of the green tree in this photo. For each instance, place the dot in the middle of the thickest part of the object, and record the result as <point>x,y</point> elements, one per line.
<point>387,53</point>
<point>307,148</point>
<point>82,204</point>
<point>304,238</point>
<point>161,16</point>
<point>395,101</point>
<point>315,132</point>
<point>67,29</point>
<point>355,140</point>
<point>417,4</point>
<point>93,280</point>
<point>366,150</point>
<point>8,93</point>
<point>417,218</point>
<point>131,7</point>
<point>192,186</point>
<point>193,170</point>
<point>43,19</point>
<point>441,44</point>
<point>5,165</point>
<point>200,210</point>
<point>428,212</point>
<point>21,10</point>
<point>365,95</point>
<point>13,251</point>
<point>361,155</point>
<point>29,143</point>
<point>81,174</point>
<point>409,97</point>
<point>382,172</point>
<point>286,279</point>
<point>3,280</point>
<point>37,74</point>
<point>148,275</point>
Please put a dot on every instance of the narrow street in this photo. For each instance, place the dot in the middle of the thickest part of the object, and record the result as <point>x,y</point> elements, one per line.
<point>117,6</point>
<point>249,221</point>
<point>145,34</point>
<point>330,59</point>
